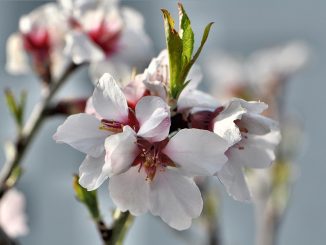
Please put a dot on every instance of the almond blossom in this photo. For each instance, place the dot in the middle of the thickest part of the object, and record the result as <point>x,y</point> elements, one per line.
<point>41,40</point>
<point>249,136</point>
<point>105,35</point>
<point>12,214</point>
<point>109,37</point>
<point>139,157</point>
<point>86,132</point>
<point>159,175</point>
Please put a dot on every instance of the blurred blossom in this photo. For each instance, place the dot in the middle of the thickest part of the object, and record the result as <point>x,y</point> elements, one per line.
<point>277,63</point>
<point>109,37</point>
<point>40,38</point>
<point>12,214</point>
<point>256,75</point>
<point>106,35</point>
<point>227,74</point>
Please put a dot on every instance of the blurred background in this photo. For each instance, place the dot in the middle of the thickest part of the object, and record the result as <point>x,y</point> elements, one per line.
<point>241,27</point>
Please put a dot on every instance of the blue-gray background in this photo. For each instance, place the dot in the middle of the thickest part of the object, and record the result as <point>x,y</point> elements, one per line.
<point>55,217</point>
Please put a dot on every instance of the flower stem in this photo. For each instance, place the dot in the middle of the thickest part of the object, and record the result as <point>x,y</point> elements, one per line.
<point>118,231</point>
<point>122,223</point>
<point>30,129</point>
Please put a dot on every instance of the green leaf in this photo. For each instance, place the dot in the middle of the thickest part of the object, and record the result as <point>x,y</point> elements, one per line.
<point>12,105</point>
<point>180,46</point>
<point>188,66</point>
<point>16,108</point>
<point>202,43</point>
<point>174,47</point>
<point>186,34</point>
<point>88,198</point>
<point>15,176</point>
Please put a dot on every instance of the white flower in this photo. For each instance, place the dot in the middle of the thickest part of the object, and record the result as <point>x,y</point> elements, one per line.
<point>156,176</point>
<point>252,139</point>
<point>12,214</point>
<point>40,37</point>
<point>145,167</point>
<point>108,114</point>
<point>248,132</point>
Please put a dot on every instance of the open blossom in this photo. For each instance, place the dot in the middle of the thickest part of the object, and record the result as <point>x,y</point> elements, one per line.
<point>159,175</point>
<point>148,170</point>
<point>87,132</point>
<point>40,40</point>
<point>249,136</point>
<point>12,214</point>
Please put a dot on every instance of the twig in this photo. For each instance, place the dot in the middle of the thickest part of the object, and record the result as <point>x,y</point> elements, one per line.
<point>5,239</point>
<point>29,131</point>
<point>116,234</point>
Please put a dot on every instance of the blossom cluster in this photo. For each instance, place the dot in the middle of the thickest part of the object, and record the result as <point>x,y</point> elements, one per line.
<point>151,146</point>
<point>99,33</point>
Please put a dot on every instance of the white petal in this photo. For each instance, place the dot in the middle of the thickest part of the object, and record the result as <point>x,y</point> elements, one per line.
<point>195,100</point>
<point>257,124</point>
<point>81,131</point>
<point>156,76</point>
<point>121,150</point>
<point>231,175</point>
<point>254,152</point>
<point>109,101</point>
<point>135,90</point>
<point>156,88</point>
<point>13,219</point>
<point>175,198</point>
<point>130,191</point>
<point>224,125</point>
<point>17,59</point>
<point>153,115</point>
<point>252,106</point>
<point>81,49</point>
<point>89,109</point>
<point>91,174</point>
<point>197,152</point>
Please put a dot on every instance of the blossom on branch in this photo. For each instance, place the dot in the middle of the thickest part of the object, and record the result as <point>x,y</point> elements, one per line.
<point>137,141</point>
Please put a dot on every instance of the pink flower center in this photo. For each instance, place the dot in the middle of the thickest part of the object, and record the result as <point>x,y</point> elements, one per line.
<point>37,42</point>
<point>151,158</point>
<point>244,131</point>
<point>105,37</point>
<point>117,127</point>
<point>204,119</point>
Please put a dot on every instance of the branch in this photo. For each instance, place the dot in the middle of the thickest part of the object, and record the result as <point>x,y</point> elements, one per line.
<point>5,239</point>
<point>33,124</point>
